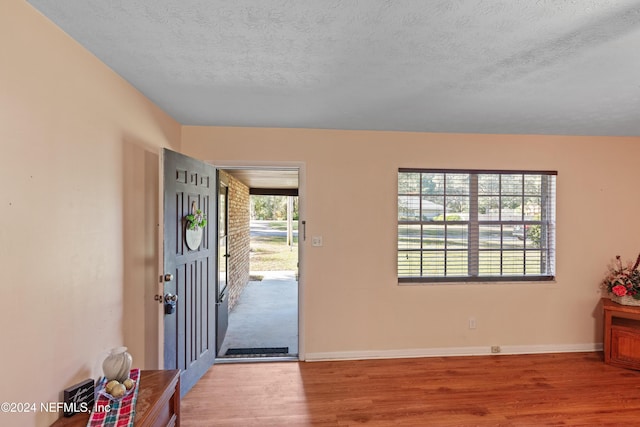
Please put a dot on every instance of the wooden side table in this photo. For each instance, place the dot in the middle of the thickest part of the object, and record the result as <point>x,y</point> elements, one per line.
<point>158,402</point>
<point>621,335</point>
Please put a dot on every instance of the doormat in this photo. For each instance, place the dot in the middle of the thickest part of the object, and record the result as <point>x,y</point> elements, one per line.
<point>258,351</point>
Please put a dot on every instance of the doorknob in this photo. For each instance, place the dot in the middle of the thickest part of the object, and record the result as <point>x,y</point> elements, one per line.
<point>170,303</point>
<point>168,277</point>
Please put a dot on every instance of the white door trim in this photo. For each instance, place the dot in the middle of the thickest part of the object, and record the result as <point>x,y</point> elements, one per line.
<point>301,168</point>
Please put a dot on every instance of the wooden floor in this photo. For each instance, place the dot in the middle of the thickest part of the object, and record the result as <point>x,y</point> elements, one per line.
<point>522,390</point>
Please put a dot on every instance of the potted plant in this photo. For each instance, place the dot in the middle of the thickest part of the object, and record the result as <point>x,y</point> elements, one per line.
<point>196,220</point>
<point>622,282</point>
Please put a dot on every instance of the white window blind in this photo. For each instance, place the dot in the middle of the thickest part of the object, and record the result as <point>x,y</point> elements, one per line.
<point>471,225</point>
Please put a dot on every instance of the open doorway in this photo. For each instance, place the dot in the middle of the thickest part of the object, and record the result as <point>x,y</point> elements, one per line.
<point>261,265</point>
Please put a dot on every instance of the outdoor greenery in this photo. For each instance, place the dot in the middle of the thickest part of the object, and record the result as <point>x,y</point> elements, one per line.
<point>271,253</point>
<point>282,226</point>
<point>272,207</point>
<point>196,220</point>
<point>495,193</point>
<point>534,233</point>
<point>513,263</point>
<point>452,217</point>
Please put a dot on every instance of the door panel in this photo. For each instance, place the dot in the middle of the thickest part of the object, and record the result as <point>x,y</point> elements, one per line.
<point>189,330</point>
<point>222,300</point>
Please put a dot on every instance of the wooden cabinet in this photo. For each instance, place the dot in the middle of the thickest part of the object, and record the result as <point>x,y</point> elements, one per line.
<point>621,335</point>
<point>158,403</point>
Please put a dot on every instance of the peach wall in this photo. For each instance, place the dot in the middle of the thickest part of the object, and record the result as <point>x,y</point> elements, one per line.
<point>353,305</point>
<point>79,150</point>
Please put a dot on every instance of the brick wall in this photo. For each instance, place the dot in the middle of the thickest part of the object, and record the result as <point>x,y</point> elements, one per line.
<point>239,238</point>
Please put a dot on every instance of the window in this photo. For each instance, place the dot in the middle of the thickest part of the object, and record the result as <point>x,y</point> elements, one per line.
<point>465,225</point>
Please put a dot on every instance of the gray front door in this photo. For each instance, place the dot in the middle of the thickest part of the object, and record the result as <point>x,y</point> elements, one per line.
<point>189,270</point>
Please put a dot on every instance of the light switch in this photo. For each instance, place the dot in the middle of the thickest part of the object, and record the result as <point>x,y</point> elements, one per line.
<point>316,241</point>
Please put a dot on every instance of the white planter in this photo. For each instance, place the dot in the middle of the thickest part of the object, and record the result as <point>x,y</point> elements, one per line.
<point>193,238</point>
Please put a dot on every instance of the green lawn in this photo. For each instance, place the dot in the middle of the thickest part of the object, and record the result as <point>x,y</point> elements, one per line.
<point>282,225</point>
<point>513,262</point>
<point>271,253</point>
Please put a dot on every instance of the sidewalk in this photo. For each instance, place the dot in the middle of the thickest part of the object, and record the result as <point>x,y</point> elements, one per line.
<point>266,314</point>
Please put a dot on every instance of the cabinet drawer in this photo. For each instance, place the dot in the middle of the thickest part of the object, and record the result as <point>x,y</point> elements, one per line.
<point>625,346</point>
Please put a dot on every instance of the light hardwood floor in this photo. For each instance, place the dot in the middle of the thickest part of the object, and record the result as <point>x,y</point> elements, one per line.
<point>503,390</point>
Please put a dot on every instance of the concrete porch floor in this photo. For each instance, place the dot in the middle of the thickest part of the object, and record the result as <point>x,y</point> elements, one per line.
<point>266,315</point>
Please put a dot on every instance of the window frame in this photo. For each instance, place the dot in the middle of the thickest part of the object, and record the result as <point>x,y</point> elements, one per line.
<point>546,221</point>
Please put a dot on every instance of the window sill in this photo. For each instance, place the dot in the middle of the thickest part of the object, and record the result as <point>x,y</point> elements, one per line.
<point>476,281</point>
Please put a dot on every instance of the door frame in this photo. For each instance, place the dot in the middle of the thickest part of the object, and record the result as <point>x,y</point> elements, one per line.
<point>301,167</point>
<point>160,282</point>
<point>222,292</point>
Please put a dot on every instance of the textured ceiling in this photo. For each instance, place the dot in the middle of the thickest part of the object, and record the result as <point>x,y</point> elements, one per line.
<point>480,66</point>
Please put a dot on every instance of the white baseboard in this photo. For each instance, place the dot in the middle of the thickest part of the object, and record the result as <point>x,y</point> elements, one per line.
<point>451,351</point>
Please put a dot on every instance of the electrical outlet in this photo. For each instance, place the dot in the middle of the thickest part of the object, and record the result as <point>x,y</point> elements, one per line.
<point>316,241</point>
<point>472,323</point>
<point>495,349</point>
